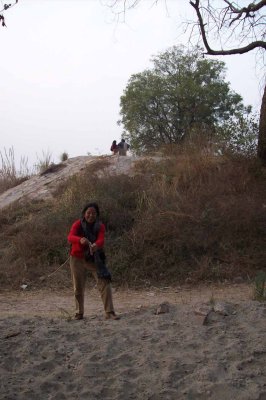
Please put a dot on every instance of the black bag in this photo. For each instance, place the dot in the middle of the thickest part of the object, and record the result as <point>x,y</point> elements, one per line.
<point>102,270</point>
<point>98,258</point>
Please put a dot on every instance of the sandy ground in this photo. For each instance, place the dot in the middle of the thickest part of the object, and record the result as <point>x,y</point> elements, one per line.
<point>210,344</point>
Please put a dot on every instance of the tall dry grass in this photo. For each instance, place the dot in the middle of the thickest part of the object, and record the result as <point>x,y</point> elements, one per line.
<point>10,175</point>
<point>44,161</point>
<point>191,217</point>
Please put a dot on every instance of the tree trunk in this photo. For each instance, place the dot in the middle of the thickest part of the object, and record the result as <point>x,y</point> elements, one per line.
<point>262,130</point>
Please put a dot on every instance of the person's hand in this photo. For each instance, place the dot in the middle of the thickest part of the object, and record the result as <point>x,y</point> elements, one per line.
<point>84,241</point>
<point>93,247</point>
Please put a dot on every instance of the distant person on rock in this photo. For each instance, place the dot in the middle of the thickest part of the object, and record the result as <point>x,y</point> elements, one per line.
<point>87,239</point>
<point>123,147</point>
<point>114,148</point>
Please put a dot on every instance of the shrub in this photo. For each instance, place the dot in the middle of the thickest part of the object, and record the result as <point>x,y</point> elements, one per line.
<point>260,286</point>
<point>64,156</point>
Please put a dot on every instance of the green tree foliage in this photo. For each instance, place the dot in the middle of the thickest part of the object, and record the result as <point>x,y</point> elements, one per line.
<point>240,134</point>
<point>182,94</point>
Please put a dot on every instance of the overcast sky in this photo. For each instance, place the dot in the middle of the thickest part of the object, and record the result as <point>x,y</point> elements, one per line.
<point>65,63</point>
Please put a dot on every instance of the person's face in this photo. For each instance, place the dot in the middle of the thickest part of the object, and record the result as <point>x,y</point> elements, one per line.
<point>90,215</point>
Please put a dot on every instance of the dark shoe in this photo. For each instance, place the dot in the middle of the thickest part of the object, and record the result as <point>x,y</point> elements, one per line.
<point>78,316</point>
<point>111,315</point>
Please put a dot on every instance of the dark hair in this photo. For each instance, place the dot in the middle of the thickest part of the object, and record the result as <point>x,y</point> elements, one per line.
<point>88,205</point>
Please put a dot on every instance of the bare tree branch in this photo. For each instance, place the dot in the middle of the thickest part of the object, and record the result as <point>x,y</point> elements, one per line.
<point>251,7</point>
<point>5,7</point>
<point>227,13</point>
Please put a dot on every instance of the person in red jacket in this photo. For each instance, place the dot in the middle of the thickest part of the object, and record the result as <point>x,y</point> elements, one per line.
<point>87,240</point>
<point>114,148</point>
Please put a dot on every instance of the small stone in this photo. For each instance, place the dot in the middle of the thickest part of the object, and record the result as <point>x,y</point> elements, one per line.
<point>202,310</point>
<point>24,286</point>
<point>238,279</point>
<point>163,308</point>
<point>222,308</point>
<point>210,318</point>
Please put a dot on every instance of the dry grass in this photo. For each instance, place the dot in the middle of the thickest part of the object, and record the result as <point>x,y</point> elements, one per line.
<point>192,217</point>
<point>44,162</point>
<point>10,175</point>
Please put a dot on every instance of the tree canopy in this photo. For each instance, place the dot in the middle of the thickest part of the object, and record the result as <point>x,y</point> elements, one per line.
<point>183,93</point>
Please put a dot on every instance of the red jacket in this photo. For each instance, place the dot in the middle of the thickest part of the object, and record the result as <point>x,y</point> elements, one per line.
<point>114,148</point>
<point>76,232</point>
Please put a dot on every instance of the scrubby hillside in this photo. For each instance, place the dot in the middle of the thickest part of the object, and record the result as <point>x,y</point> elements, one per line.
<point>190,217</point>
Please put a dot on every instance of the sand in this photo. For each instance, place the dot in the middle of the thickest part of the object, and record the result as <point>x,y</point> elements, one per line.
<point>179,354</point>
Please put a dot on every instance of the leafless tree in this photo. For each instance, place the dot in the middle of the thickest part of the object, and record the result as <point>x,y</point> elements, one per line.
<point>242,26</point>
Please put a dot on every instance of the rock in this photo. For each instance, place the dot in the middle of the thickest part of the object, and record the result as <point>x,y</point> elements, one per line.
<point>223,308</point>
<point>211,317</point>
<point>238,279</point>
<point>202,310</point>
<point>163,308</point>
<point>24,286</point>
<point>43,186</point>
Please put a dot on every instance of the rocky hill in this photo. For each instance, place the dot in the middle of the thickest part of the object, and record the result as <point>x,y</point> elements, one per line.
<point>42,186</point>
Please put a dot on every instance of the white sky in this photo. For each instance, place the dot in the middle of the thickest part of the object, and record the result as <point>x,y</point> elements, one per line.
<point>65,63</point>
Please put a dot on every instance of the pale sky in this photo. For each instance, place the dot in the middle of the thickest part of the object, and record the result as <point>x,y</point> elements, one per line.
<point>65,63</point>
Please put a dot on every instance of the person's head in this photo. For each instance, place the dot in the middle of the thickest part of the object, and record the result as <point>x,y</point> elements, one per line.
<point>123,140</point>
<point>114,141</point>
<point>90,212</point>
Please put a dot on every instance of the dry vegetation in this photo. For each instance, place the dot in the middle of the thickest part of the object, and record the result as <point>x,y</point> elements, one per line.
<point>10,176</point>
<point>192,217</point>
